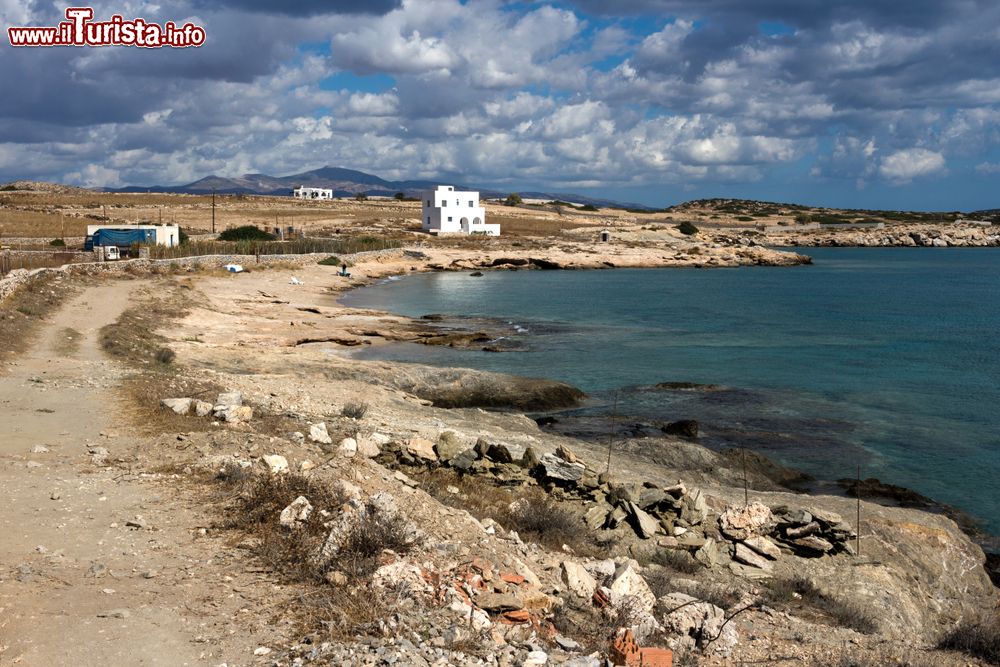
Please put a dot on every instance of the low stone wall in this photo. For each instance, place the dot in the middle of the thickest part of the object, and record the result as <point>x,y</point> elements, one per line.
<point>20,277</point>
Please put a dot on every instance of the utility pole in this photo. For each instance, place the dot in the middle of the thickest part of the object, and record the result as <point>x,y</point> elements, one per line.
<point>213,210</point>
<point>62,224</point>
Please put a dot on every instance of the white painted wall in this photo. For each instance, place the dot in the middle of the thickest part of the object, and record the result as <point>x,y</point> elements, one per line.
<point>312,193</point>
<point>168,235</point>
<point>445,210</point>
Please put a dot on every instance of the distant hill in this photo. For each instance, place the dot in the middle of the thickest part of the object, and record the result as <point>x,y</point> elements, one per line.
<point>346,183</point>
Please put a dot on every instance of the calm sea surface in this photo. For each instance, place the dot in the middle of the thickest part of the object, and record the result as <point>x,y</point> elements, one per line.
<point>885,357</point>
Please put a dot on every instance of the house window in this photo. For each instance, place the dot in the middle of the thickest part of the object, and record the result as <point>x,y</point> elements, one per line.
<point>449,218</point>
<point>471,204</point>
<point>444,202</point>
<point>428,220</point>
<point>428,202</point>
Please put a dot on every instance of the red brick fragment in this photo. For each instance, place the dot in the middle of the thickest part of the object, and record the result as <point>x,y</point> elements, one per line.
<point>512,578</point>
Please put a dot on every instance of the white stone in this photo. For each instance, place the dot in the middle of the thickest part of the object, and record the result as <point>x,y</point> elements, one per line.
<point>577,579</point>
<point>235,414</point>
<point>318,433</point>
<point>628,586</point>
<point>181,406</point>
<point>203,408</point>
<point>297,512</point>
<point>348,448</point>
<point>276,463</point>
<point>368,447</point>
<point>229,399</point>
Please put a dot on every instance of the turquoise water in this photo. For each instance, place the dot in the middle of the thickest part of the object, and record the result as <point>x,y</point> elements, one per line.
<point>888,358</point>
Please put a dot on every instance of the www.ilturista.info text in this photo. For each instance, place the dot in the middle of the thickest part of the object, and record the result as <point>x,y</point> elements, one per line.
<point>80,30</point>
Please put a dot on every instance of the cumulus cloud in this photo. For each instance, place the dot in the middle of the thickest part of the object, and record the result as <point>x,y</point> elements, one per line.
<point>910,163</point>
<point>489,91</point>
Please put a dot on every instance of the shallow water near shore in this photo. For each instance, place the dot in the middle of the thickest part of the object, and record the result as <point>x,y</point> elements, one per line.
<point>884,357</point>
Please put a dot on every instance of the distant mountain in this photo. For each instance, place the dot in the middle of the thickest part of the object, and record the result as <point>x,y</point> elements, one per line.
<point>345,183</point>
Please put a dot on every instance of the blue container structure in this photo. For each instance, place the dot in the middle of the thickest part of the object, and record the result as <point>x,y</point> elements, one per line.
<point>123,238</point>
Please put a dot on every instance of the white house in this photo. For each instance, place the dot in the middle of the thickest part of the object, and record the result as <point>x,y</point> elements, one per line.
<point>446,210</point>
<point>312,193</point>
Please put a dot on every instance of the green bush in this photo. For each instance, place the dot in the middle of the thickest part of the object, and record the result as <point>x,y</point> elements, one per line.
<point>59,243</point>
<point>744,218</point>
<point>687,228</point>
<point>513,199</point>
<point>246,233</point>
<point>588,207</point>
<point>183,238</point>
<point>332,260</point>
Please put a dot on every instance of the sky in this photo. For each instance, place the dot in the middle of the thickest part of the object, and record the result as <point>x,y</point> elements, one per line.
<point>858,103</point>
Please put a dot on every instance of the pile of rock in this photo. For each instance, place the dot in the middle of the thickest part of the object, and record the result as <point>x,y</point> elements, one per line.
<point>648,508</point>
<point>813,532</point>
<point>228,407</point>
<point>760,534</point>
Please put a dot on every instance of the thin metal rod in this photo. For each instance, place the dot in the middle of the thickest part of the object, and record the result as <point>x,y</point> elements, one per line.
<point>858,488</point>
<point>611,431</point>
<point>746,486</point>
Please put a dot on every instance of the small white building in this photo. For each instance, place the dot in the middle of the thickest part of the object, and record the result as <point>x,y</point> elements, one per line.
<point>446,210</point>
<point>312,193</point>
<point>166,235</point>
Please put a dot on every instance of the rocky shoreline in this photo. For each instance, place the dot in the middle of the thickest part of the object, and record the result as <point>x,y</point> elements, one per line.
<point>498,542</point>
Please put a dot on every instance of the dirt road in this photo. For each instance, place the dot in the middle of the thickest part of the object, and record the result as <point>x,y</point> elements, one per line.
<point>97,566</point>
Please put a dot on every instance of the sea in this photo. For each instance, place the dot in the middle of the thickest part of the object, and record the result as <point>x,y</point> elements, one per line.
<point>883,358</point>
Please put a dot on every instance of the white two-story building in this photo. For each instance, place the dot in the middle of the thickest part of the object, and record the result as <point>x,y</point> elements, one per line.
<point>446,210</point>
<point>312,193</point>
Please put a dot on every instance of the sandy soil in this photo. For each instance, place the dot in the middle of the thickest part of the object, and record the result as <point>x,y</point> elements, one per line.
<point>78,584</point>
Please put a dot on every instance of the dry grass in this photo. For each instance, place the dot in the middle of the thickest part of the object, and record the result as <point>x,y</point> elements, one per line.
<point>23,312</point>
<point>39,224</point>
<point>141,394</point>
<point>978,638</point>
<point>800,594</point>
<point>338,612</point>
<point>528,510</point>
<point>133,338</point>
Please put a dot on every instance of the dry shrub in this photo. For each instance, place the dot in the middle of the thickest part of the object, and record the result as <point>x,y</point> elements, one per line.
<point>979,638</point>
<point>788,592</point>
<point>355,410</point>
<point>258,503</point>
<point>165,356</point>
<point>534,515</point>
<point>676,560</point>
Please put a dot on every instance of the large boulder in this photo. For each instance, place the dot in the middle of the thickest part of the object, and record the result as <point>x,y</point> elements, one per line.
<point>421,448</point>
<point>577,579</point>
<point>556,468</point>
<point>449,446</point>
<point>686,428</point>
<point>693,624</point>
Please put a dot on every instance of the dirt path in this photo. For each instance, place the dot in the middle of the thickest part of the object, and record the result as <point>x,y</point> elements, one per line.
<point>78,584</point>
